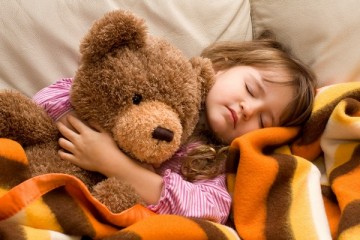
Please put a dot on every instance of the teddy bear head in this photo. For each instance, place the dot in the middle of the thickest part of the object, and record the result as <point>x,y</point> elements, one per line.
<point>138,87</point>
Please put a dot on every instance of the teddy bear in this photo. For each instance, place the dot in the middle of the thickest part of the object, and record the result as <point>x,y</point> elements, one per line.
<point>140,88</point>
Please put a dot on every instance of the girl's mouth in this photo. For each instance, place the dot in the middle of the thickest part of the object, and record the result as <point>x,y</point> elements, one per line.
<point>233,115</point>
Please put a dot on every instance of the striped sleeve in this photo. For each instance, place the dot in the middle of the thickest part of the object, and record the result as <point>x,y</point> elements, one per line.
<point>55,99</point>
<point>206,199</point>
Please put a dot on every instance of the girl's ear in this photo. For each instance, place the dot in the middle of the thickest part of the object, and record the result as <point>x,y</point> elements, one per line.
<point>114,30</point>
<point>205,74</point>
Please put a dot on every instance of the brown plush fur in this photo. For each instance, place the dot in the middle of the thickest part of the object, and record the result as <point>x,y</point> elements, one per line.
<point>140,88</point>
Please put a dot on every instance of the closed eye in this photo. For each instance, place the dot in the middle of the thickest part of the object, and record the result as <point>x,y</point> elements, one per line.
<point>261,121</point>
<point>248,90</point>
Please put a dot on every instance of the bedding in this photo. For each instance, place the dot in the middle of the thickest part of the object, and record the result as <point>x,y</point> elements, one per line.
<point>277,187</point>
<point>39,39</point>
<point>287,183</point>
<point>59,206</point>
<point>279,191</point>
<point>323,34</point>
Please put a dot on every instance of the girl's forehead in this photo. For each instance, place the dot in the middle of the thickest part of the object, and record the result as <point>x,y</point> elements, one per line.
<point>275,75</point>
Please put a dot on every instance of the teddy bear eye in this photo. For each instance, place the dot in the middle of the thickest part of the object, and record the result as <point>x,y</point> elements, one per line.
<point>137,99</point>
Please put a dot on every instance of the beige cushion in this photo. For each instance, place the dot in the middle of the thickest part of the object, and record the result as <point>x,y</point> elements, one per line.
<point>325,34</point>
<point>39,39</point>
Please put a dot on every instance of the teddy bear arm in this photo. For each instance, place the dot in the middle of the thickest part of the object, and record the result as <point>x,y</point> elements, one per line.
<point>24,121</point>
<point>116,195</point>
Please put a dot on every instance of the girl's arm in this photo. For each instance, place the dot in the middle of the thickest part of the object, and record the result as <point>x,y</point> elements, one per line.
<point>95,150</point>
<point>205,199</point>
<point>55,99</point>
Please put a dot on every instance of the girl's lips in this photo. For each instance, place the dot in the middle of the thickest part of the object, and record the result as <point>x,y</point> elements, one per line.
<point>233,115</point>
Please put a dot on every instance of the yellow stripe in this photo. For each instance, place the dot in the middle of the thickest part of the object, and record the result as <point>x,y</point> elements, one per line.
<point>333,92</point>
<point>285,149</point>
<point>352,233</point>
<point>343,154</point>
<point>3,191</point>
<point>339,116</point>
<point>300,209</point>
<point>230,182</point>
<point>33,233</point>
<point>336,140</point>
<point>39,215</point>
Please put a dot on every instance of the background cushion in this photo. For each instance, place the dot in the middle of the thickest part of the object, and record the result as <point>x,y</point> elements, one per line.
<point>39,39</point>
<point>325,34</point>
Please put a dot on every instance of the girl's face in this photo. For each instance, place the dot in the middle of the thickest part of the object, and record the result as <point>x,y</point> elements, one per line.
<point>241,101</point>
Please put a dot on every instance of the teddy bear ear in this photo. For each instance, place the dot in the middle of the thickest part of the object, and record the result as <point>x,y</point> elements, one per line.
<point>205,74</point>
<point>114,30</point>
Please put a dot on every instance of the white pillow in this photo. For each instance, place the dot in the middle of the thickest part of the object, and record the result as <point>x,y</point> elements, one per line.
<point>39,39</point>
<point>325,34</point>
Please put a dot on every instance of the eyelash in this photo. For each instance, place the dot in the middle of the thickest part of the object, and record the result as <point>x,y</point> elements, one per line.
<point>248,90</point>
<point>261,122</point>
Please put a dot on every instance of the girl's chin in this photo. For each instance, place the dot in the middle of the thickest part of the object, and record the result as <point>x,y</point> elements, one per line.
<point>220,136</point>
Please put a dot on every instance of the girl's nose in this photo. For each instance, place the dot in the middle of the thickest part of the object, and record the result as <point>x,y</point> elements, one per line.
<point>249,109</point>
<point>246,112</point>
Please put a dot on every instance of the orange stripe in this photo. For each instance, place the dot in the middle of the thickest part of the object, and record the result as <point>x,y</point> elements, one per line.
<point>25,193</point>
<point>309,151</point>
<point>333,215</point>
<point>12,150</point>
<point>255,175</point>
<point>347,190</point>
<point>347,187</point>
<point>164,227</point>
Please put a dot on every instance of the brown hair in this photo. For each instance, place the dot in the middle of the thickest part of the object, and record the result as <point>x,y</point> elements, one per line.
<point>263,53</point>
<point>266,53</point>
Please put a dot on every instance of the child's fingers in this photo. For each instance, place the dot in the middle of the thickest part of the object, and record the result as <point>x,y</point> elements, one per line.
<point>66,144</point>
<point>67,156</point>
<point>66,132</point>
<point>77,124</point>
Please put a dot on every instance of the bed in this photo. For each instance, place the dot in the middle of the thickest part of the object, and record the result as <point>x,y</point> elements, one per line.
<point>306,188</point>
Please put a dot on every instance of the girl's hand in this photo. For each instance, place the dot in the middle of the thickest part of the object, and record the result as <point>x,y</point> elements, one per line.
<point>95,150</point>
<point>88,148</point>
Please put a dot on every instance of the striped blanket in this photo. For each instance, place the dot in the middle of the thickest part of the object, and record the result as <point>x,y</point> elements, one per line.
<point>59,206</point>
<point>287,183</point>
<point>302,183</point>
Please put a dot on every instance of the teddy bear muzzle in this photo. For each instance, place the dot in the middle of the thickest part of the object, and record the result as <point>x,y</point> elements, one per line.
<point>150,132</point>
<point>163,134</point>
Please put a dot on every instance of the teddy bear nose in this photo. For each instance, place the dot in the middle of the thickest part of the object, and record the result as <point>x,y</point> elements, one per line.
<point>163,134</point>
